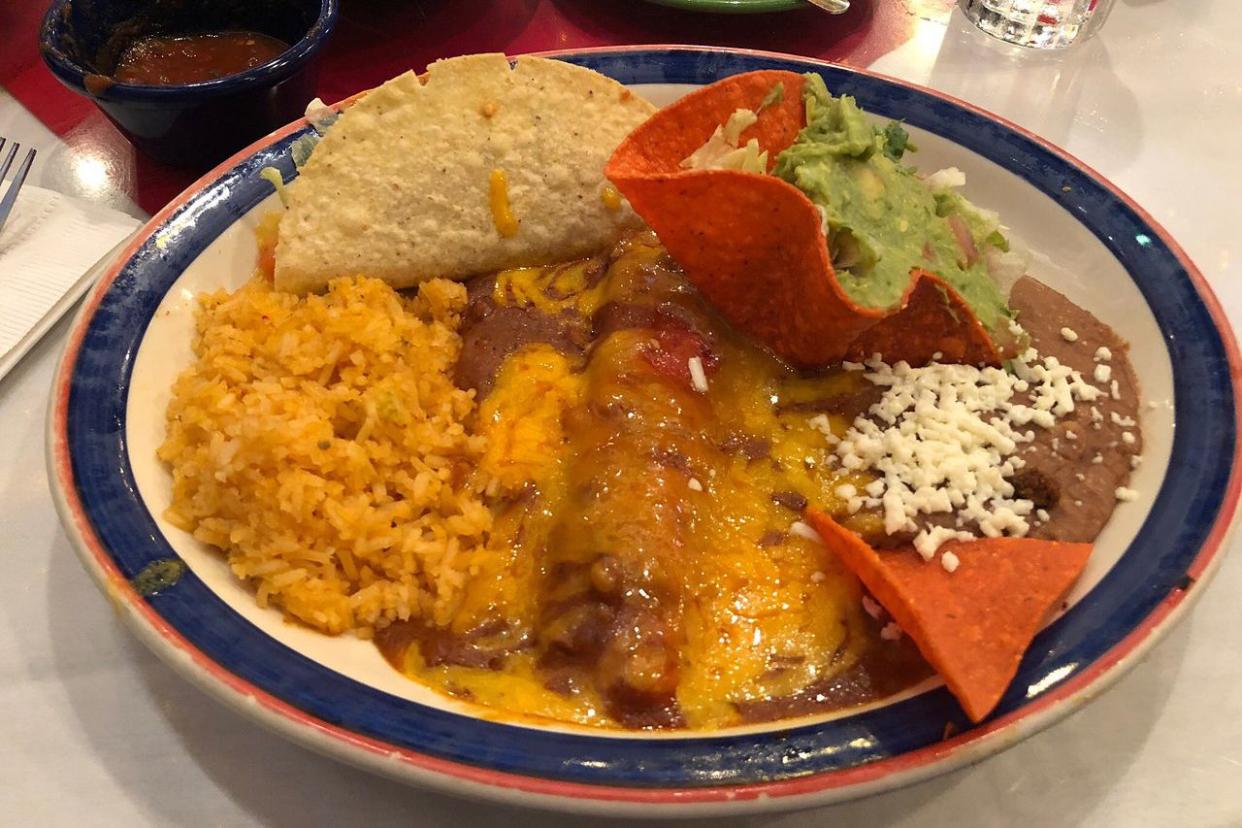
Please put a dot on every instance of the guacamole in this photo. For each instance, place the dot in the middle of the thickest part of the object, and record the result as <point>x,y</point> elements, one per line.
<point>881,219</point>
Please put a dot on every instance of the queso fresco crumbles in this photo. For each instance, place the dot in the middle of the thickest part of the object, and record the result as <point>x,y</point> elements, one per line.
<point>776,426</point>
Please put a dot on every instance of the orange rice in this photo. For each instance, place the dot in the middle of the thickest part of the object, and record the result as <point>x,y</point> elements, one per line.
<point>321,443</point>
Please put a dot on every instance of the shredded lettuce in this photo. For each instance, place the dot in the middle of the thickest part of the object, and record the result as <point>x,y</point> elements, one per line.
<point>775,95</point>
<point>721,151</point>
<point>320,116</point>
<point>273,175</point>
<point>302,149</point>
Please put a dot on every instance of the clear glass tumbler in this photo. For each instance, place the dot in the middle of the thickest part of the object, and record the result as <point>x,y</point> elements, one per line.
<point>1039,24</point>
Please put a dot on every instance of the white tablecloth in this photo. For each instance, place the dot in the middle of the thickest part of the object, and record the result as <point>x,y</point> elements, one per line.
<point>97,731</point>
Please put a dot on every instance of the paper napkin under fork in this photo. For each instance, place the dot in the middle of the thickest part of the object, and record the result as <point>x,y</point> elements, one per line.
<point>48,251</point>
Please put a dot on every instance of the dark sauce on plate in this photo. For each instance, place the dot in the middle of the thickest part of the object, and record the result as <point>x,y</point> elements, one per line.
<point>164,60</point>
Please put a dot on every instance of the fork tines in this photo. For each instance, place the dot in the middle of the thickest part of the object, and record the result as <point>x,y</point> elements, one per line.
<point>10,196</point>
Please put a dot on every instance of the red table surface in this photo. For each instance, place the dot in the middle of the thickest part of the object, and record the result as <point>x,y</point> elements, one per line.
<point>377,39</point>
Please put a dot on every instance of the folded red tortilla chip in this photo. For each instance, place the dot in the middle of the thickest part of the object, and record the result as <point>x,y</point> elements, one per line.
<point>664,140</point>
<point>754,245</point>
<point>757,253</point>
<point>972,625</point>
<point>933,324</point>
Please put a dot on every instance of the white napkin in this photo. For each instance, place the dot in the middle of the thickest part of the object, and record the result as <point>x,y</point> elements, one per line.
<point>48,251</point>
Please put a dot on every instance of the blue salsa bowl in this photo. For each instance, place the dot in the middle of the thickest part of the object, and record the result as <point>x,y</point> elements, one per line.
<point>194,124</point>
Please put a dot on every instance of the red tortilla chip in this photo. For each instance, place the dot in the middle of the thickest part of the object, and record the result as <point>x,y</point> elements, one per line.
<point>754,246</point>
<point>663,141</point>
<point>972,625</point>
<point>757,253</point>
<point>933,319</point>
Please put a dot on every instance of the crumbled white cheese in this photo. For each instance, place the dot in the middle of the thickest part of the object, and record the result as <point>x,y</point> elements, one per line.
<point>945,439</point>
<point>805,530</point>
<point>1069,334</point>
<point>1096,415</point>
<point>818,577</point>
<point>823,425</point>
<point>950,562</point>
<point>853,366</point>
<point>1114,390</point>
<point>1080,476</point>
<point>1126,495</point>
<point>1098,459</point>
<point>947,179</point>
<point>1127,438</point>
<point>890,631</point>
<point>1103,373</point>
<point>846,491</point>
<point>1102,354</point>
<point>928,541</point>
<point>698,377</point>
<point>695,485</point>
<point>872,608</point>
<point>1124,422</point>
<point>1042,514</point>
<point>1135,461</point>
<point>1069,435</point>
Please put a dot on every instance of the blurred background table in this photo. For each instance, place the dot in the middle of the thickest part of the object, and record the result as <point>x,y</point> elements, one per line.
<point>100,732</point>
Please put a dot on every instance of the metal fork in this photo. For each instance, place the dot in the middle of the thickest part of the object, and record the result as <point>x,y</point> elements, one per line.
<point>19,178</point>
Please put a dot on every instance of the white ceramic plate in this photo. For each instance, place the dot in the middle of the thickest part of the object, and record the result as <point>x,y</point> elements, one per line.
<point>339,696</point>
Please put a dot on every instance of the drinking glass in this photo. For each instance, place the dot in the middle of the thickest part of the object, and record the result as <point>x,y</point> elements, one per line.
<point>1038,24</point>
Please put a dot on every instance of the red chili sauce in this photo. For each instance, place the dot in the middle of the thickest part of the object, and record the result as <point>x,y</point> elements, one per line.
<point>161,60</point>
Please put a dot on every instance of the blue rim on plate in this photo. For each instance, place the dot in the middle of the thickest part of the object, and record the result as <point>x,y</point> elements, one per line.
<point>1088,646</point>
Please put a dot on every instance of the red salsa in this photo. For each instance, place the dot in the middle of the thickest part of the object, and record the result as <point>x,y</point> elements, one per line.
<point>162,60</point>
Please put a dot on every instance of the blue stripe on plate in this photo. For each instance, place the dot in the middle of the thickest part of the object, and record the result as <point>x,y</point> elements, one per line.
<point>1154,565</point>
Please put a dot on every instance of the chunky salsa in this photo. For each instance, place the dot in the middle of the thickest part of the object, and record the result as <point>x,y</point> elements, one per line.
<point>168,60</point>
